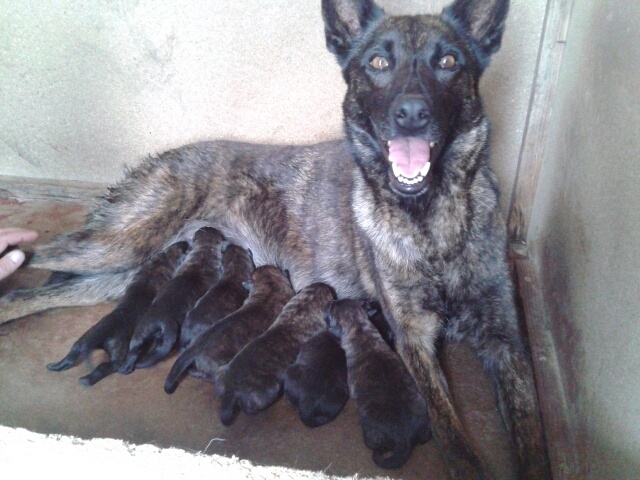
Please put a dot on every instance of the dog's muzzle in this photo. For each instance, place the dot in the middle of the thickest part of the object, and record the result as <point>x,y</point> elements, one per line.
<point>408,147</point>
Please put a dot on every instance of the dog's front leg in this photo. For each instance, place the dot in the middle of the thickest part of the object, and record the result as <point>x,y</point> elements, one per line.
<point>415,344</point>
<point>497,342</point>
<point>518,404</point>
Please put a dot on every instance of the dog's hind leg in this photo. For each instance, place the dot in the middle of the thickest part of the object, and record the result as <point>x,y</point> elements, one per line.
<point>136,218</point>
<point>77,291</point>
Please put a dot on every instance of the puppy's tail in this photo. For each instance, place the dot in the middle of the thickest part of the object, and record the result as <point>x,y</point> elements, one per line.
<point>75,291</point>
<point>183,362</point>
<point>395,458</point>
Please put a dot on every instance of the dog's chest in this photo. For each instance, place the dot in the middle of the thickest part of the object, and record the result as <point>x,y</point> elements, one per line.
<point>403,241</point>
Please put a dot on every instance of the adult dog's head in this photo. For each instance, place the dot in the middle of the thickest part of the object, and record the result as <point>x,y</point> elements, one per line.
<point>412,109</point>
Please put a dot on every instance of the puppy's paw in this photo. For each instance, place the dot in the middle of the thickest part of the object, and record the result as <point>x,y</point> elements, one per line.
<point>248,390</point>
<point>392,435</point>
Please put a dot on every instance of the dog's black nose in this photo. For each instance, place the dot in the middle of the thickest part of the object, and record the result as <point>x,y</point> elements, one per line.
<point>411,112</point>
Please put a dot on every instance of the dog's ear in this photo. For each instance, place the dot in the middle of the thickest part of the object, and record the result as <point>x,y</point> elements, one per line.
<point>482,20</point>
<point>344,21</point>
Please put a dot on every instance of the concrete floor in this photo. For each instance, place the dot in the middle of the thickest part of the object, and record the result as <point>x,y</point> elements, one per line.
<point>135,408</point>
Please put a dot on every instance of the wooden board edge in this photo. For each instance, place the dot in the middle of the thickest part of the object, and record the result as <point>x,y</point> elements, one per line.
<point>548,377</point>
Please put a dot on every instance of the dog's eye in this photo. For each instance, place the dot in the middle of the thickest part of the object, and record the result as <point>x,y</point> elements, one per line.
<point>447,62</point>
<point>379,63</point>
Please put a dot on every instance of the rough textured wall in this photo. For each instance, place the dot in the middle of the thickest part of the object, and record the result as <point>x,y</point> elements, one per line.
<point>88,86</point>
<point>586,234</point>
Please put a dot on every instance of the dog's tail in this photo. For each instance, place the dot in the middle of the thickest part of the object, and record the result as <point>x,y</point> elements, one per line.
<point>75,291</point>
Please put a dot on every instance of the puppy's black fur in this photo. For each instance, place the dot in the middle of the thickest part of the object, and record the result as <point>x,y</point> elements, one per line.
<point>114,331</point>
<point>253,379</point>
<point>316,384</point>
<point>158,329</point>
<point>270,292</point>
<point>393,414</point>
<point>224,298</point>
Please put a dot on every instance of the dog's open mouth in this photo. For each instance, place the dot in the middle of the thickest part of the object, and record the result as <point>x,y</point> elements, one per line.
<point>410,159</point>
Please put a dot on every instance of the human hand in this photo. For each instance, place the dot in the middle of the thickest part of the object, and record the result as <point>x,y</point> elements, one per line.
<point>12,260</point>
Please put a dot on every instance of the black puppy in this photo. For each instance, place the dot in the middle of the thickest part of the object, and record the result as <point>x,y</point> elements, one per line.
<point>253,379</point>
<point>114,331</point>
<point>316,384</point>
<point>224,298</point>
<point>157,331</point>
<point>270,292</point>
<point>393,414</point>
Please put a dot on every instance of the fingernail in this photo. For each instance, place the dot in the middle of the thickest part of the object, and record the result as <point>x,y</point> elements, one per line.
<point>17,257</point>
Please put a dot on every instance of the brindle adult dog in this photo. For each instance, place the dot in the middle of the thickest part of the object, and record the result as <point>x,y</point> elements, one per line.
<point>403,211</point>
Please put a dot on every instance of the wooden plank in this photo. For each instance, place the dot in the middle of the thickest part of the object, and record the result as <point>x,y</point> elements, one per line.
<point>553,406</point>
<point>536,129</point>
<point>25,189</point>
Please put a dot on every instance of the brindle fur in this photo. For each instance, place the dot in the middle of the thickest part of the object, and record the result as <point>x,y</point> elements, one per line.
<point>393,414</point>
<point>114,331</point>
<point>157,331</point>
<point>270,292</point>
<point>224,298</point>
<point>435,259</point>
<point>253,379</point>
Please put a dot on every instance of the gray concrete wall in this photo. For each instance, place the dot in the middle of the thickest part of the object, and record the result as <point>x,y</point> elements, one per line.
<point>585,234</point>
<point>88,86</point>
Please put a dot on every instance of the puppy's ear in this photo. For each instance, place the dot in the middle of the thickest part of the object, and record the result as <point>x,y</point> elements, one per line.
<point>482,20</point>
<point>345,21</point>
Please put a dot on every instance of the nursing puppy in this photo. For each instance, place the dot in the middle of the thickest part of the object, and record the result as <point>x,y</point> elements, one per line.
<point>114,331</point>
<point>393,414</point>
<point>225,297</point>
<point>270,292</point>
<point>253,379</point>
<point>316,384</point>
<point>157,331</point>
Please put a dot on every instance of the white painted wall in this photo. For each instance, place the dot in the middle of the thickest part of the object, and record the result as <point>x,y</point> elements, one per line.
<point>585,234</point>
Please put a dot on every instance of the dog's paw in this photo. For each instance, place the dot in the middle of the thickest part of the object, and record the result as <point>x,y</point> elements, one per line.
<point>393,434</point>
<point>198,360</point>
<point>249,390</point>
<point>152,341</point>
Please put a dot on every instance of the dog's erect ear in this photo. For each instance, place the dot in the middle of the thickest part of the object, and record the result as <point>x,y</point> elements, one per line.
<point>483,20</point>
<point>344,21</point>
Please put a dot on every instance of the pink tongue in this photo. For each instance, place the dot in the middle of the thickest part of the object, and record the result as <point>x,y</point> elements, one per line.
<point>409,154</point>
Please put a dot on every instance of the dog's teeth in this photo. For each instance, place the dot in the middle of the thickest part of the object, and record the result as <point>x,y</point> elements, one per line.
<point>410,181</point>
<point>432,144</point>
